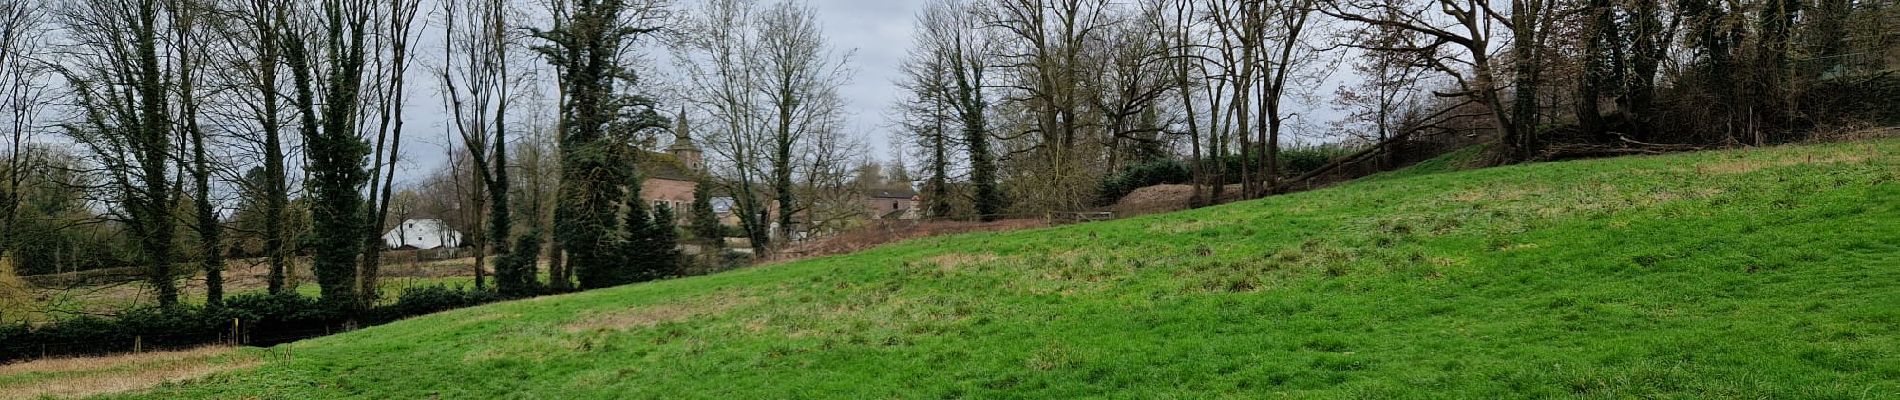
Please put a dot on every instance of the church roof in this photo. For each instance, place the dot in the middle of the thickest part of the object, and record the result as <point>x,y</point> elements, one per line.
<point>682,135</point>
<point>656,165</point>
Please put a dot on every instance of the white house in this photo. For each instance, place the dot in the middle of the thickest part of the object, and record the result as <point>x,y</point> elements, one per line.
<point>422,234</point>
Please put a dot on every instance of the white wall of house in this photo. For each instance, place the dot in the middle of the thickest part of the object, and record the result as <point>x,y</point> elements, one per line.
<point>422,234</point>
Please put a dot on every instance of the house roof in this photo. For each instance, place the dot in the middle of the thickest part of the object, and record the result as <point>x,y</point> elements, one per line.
<point>721,205</point>
<point>423,223</point>
<point>682,139</point>
<point>891,193</point>
<point>656,165</point>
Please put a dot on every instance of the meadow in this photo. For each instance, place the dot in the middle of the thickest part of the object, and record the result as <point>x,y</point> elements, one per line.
<point>1759,273</point>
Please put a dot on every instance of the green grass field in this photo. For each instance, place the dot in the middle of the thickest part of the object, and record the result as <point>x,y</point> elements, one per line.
<point>1770,273</point>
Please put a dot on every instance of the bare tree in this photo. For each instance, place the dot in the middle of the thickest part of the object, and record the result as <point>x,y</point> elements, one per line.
<point>713,48</point>
<point>187,38</point>
<point>1456,39</point>
<point>799,78</point>
<point>23,95</point>
<point>231,56</point>
<point>476,84</point>
<point>925,114</point>
<point>1041,55</point>
<point>250,110</point>
<point>1390,82</point>
<point>951,40</point>
<point>124,87</point>
<point>769,79</point>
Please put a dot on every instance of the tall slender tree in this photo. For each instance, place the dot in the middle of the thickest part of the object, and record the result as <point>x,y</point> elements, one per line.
<point>800,76</point>
<point>476,80</point>
<point>186,32</point>
<point>392,54</point>
<point>587,45</point>
<point>23,96</point>
<point>333,67</point>
<point>124,88</point>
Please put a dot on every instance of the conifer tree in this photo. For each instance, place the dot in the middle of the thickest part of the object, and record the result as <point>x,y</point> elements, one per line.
<point>705,224</point>
<point>664,234</point>
<point>637,252</point>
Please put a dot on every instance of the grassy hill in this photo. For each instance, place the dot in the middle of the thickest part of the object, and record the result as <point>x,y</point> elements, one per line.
<point>1770,273</point>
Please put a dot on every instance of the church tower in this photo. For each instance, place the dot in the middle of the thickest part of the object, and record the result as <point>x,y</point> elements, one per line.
<point>683,148</point>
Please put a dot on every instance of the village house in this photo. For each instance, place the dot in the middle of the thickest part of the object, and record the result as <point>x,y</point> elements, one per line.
<point>422,234</point>
<point>671,176</point>
<point>891,204</point>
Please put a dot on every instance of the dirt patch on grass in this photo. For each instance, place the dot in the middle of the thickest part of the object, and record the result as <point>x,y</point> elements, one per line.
<point>954,261</point>
<point>1743,166</point>
<point>1492,194</point>
<point>1183,226</point>
<point>1164,198</point>
<point>878,233</point>
<point>651,315</point>
<point>1157,197</point>
<point>93,376</point>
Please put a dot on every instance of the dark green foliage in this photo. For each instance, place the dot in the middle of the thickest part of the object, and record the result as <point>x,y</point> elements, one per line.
<point>47,232</point>
<point>1873,99</point>
<point>274,309</point>
<point>584,45</point>
<point>515,270</point>
<point>665,237</point>
<point>648,246</point>
<point>250,318</point>
<point>972,110</point>
<point>1300,160</point>
<point>336,238</point>
<point>1164,171</point>
<point>498,225</point>
<point>334,156</point>
<point>430,299</point>
<point>705,224</point>
<point>585,220</point>
<point>46,246</point>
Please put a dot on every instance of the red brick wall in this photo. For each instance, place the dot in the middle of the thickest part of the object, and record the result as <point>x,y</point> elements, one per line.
<point>676,194</point>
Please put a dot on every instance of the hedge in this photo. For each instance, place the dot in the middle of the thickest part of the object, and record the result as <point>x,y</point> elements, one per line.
<point>251,318</point>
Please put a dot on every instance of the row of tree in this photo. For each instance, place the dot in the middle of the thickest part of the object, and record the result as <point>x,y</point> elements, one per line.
<point>1041,98</point>
<point>767,80</point>
<point>197,120</point>
<point>292,115</point>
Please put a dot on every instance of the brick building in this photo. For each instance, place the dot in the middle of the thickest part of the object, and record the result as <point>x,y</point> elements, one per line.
<point>890,204</point>
<point>670,177</point>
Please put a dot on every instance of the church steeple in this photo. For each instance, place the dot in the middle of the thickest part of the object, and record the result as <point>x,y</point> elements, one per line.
<point>683,148</point>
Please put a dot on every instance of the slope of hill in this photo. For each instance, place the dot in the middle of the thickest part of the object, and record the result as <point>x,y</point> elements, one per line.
<point>1771,273</point>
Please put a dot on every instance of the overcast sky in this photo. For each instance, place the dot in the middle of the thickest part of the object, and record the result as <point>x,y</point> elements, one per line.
<point>878,32</point>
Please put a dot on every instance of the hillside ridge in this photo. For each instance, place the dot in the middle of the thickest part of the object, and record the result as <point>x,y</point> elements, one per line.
<point>1594,278</point>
